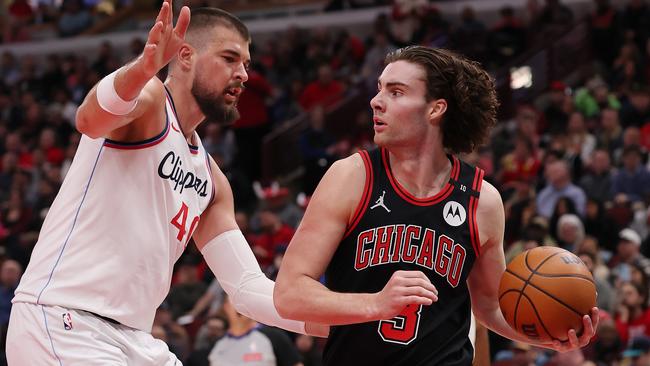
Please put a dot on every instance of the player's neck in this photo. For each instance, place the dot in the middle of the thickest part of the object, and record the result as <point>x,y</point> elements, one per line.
<point>188,112</point>
<point>423,172</point>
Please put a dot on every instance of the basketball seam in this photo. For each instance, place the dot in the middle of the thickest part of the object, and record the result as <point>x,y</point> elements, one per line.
<point>550,275</point>
<point>566,275</point>
<point>544,292</point>
<point>541,321</point>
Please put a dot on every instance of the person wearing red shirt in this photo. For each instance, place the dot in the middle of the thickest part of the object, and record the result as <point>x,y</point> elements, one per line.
<point>633,316</point>
<point>325,91</point>
<point>275,235</point>
<point>253,123</point>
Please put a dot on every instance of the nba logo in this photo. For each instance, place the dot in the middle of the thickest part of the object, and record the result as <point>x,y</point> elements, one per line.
<point>67,321</point>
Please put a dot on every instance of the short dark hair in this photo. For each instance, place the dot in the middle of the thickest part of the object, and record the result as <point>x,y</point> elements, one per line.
<point>202,18</point>
<point>468,89</point>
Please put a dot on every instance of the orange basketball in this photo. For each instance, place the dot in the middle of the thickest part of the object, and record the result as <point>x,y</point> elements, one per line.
<point>546,291</point>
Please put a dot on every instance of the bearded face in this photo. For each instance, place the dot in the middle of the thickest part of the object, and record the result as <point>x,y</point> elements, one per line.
<point>219,107</point>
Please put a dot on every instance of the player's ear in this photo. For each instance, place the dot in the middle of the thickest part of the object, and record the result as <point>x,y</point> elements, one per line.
<point>437,108</point>
<point>185,55</point>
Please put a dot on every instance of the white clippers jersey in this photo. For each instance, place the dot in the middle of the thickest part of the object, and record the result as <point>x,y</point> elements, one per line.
<point>122,218</point>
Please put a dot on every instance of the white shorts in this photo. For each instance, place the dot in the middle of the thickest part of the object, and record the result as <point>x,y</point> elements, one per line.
<point>51,335</point>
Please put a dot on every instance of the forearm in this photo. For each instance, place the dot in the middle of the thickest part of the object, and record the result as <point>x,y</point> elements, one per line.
<point>233,263</point>
<point>97,115</point>
<point>308,300</point>
<point>492,318</point>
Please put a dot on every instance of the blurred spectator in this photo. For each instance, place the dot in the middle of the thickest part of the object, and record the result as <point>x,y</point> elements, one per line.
<point>553,17</point>
<point>632,181</point>
<point>519,168</point>
<point>213,330</point>
<point>246,341</point>
<point>167,330</point>
<point>10,272</point>
<point>570,232</point>
<point>318,149</point>
<point>594,97</point>
<point>507,38</point>
<point>186,290</point>
<point>636,109</point>
<point>605,31</point>
<point>636,21</point>
<point>632,316</point>
<point>533,235</point>
<point>597,182</point>
<point>75,18</point>
<point>519,354</point>
<point>470,37</point>
<point>374,61</point>
<point>208,304</point>
<point>638,352</point>
<point>324,92</point>
<point>309,350</point>
<point>610,135</point>
<point>219,142</point>
<point>606,348</point>
<point>628,253</point>
<point>253,123</point>
<point>606,299</point>
<point>274,236</point>
<point>579,142</point>
<point>559,185</point>
<point>279,200</point>
<point>555,113</point>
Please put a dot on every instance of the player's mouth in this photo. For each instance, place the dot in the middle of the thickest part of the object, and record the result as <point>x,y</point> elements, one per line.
<point>232,94</point>
<point>379,125</point>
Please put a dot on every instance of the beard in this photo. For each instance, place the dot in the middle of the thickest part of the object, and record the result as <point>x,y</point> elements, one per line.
<point>213,105</point>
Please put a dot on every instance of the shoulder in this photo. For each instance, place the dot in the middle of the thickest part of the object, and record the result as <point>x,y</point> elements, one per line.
<point>490,215</point>
<point>490,198</point>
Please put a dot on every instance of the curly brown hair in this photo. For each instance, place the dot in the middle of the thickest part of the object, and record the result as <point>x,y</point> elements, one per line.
<point>468,89</point>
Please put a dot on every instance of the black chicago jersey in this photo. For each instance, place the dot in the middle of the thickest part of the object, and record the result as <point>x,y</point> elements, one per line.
<point>393,230</point>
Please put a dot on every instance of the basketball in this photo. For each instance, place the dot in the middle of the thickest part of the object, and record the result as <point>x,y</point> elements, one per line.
<point>546,291</point>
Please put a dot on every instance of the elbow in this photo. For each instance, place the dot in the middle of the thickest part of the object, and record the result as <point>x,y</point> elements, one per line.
<point>282,301</point>
<point>83,125</point>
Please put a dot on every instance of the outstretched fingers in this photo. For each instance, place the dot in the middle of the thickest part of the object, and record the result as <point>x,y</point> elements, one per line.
<point>183,22</point>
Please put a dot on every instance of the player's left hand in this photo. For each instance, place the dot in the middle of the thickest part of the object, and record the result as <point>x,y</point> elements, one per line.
<point>589,326</point>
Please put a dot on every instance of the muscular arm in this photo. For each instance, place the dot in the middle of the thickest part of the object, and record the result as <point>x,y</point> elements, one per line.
<point>299,295</point>
<point>486,275</point>
<point>137,80</point>
<point>130,83</point>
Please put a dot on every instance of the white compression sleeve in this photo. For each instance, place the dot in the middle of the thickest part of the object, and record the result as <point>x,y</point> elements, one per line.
<point>231,260</point>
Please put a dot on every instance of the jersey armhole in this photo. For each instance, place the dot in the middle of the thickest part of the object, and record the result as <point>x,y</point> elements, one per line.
<point>473,205</point>
<point>365,197</point>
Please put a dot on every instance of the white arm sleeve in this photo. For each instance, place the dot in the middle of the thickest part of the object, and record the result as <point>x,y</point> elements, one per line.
<point>231,260</point>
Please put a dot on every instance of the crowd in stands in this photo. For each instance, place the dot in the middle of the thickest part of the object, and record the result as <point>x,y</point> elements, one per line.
<point>572,165</point>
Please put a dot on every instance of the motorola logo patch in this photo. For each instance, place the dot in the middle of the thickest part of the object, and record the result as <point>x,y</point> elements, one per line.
<point>454,213</point>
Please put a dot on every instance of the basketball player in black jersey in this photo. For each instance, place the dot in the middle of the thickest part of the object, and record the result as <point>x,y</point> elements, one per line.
<point>408,236</point>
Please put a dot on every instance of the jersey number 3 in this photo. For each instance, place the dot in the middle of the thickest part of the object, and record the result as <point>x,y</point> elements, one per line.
<point>180,222</point>
<point>402,329</point>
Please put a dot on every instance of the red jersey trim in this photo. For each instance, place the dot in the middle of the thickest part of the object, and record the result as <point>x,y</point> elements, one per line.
<point>408,197</point>
<point>138,144</point>
<point>473,205</point>
<point>365,197</point>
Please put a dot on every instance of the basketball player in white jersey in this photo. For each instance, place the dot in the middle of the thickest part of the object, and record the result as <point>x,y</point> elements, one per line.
<point>141,185</point>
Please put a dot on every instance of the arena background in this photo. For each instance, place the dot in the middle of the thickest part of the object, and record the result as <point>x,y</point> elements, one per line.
<point>572,78</point>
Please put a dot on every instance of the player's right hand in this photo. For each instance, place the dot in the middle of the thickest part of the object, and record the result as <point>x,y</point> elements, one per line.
<point>164,39</point>
<point>404,288</point>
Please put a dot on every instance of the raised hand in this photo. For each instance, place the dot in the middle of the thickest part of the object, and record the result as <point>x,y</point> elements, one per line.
<point>164,39</point>
<point>589,326</point>
<point>404,288</point>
